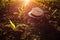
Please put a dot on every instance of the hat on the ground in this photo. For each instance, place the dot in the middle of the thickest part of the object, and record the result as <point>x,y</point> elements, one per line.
<point>36,12</point>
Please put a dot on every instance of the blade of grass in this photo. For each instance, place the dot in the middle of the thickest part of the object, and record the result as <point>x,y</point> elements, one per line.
<point>12,25</point>
<point>54,11</point>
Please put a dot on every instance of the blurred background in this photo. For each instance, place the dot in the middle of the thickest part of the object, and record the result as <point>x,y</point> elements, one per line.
<point>12,13</point>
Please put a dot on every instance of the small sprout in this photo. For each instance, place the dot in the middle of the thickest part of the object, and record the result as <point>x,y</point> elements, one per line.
<point>0,29</point>
<point>49,8</point>
<point>54,16</point>
<point>54,11</point>
<point>12,25</point>
<point>4,33</point>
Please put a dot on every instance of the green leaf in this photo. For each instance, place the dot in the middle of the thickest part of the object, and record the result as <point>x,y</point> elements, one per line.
<point>12,25</point>
<point>54,11</point>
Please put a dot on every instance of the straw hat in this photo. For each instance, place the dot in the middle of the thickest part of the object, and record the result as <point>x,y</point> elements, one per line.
<point>36,12</point>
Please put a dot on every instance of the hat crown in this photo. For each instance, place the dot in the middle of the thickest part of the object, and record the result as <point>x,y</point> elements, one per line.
<point>36,12</point>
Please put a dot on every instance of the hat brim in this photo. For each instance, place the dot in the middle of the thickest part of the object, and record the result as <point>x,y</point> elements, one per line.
<point>30,15</point>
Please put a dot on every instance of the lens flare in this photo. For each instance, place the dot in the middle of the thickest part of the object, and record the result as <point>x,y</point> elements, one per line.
<point>27,1</point>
